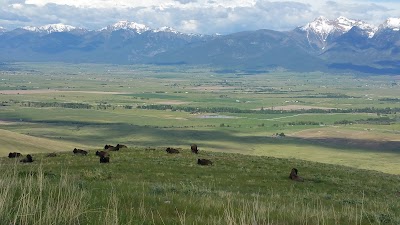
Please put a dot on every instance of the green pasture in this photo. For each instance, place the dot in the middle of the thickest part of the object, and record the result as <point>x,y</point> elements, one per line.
<point>115,92</point>
<point>149,186</point>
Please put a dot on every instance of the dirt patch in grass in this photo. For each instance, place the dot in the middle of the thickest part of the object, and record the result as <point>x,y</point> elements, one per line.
<point>295,107</point>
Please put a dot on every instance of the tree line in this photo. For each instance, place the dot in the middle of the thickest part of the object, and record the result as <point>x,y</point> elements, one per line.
<point>191,109</point>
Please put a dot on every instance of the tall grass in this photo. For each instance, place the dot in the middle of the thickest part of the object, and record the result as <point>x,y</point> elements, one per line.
<point>163,189</point>
<point>30,198</point>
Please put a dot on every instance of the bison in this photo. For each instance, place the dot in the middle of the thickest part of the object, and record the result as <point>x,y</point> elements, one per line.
<point>14,155</point>
<point>204,162</point>
<point>79,151</point>
<point>112,148</point>
<point>102,154</point>
<point>121,146</point>
<point>105,159</point>
<point>194,149</point>
<point>293,175</point>
<point>28,159</point>
<point>172,150</point>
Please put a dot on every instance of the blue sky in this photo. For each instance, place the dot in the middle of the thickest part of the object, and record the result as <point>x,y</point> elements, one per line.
<point>195,16</point>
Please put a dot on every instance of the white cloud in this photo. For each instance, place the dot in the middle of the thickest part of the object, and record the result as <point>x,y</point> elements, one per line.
<point>189,25</point>
<point>199,16</point>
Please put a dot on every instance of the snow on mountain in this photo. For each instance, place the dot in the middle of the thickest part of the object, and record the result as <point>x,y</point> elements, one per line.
<point>166,29</point>
<point>346,24</point>
<point>125,25</point>
<point>172,30</point>
<point>320,26</point>
<point>324,27</point>
<point>51,28</point>
<point>392,23</point>
<point>2,29</point>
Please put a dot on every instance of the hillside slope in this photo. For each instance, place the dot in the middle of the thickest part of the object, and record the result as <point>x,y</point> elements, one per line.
<point>25,144</point>
<point>149,186</point>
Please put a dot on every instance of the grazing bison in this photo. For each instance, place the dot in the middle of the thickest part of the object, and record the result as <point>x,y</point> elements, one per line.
<point>104,159</point>
<point>194,149</point>
<point>14,155</point>
<point>108,146</point>
<point>112,148</point>
<point>51,155</point>
<point>293,175</point>
<point>79,151</point>
<point>102,154</point>
<point>122,146</point>
<point>28,159</point>
<point>204,162</point>
<point>172,150</point>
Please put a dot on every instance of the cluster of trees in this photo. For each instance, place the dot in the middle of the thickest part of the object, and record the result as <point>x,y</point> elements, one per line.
<point>389,99</point>
<point>379,121</point>
<point>70,105</point>
<point>304,123</point>
<point>191,109</point>
<point>327,95</point>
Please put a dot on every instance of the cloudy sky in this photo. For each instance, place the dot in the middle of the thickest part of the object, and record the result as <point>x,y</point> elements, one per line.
<point>196,16</point>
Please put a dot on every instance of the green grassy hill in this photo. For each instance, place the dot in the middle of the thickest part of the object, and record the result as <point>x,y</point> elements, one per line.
<point>149,186</point>
<point>16,142</point>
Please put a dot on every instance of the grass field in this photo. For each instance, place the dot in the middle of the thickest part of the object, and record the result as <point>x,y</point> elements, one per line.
<point>341,131</point>
<point>149,186</point>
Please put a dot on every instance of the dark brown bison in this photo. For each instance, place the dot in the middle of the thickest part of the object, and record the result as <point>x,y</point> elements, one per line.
<point>79,152</point>
<point>51,155</point>
<point>102,154</point>
<point>104,159</point>
<point>14,155</point>
<point>293,175</point>
<point>204,162</point>
<point>121,146</point>
<point>172,150</point>
<point>28,159</point>
<point>112,148</point>
<point>194,149</point>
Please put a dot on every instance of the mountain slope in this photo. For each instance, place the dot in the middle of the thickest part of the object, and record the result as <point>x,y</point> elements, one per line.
<point>321,45</point>
<point>248,50</point>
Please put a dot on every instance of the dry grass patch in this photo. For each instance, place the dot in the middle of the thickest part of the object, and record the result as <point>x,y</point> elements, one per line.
<point>339,132</point>
<point>15,142</point>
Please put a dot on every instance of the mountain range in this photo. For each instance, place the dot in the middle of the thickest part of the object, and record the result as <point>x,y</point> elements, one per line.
<point>339,45</point>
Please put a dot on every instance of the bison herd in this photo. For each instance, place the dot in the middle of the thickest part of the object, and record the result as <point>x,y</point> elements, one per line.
<point>27,159</point>
<point>105,157</point>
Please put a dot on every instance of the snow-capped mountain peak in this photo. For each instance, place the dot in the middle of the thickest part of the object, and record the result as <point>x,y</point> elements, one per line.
<point>321,26</point>
<point>166,29</point>
<point>51,28</point>
<point>346,24</point>
<point>2,29</point>
<point>392,23</point>
<point>126,25</point>
<point>324,27</point>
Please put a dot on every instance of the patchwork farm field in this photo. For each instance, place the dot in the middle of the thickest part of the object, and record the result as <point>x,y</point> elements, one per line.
<point>340,119</point>
<point>341,131</point>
